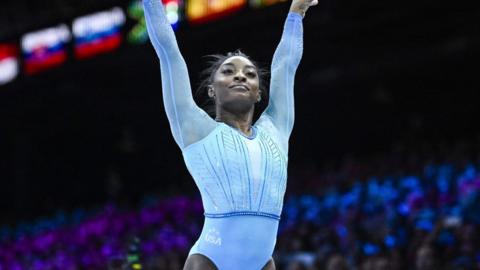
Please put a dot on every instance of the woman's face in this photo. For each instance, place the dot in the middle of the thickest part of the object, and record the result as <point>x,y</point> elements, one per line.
<point>236,84</point>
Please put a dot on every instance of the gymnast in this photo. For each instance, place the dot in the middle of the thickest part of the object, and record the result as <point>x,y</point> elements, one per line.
<point>239,168</point>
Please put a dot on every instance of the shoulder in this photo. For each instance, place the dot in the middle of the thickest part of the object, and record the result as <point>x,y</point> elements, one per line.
<point>265,123</point>
<point>196,136</point>
<point>266,127</point>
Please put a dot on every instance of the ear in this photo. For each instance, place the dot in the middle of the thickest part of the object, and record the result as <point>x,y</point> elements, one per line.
<point>211,91</point>
<point>259,96</point>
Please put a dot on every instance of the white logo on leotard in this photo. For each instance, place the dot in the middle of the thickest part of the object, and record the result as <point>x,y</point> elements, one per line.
<point>213,237</point>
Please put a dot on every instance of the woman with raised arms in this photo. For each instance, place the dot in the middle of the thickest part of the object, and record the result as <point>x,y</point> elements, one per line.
<point>239,167</point>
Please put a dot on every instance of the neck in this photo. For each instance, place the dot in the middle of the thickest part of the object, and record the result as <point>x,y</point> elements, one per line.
<point>242,122</point>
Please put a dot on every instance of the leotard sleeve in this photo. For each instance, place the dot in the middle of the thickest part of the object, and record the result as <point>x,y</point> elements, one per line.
<point>188,122</point>
<point>279,115</point>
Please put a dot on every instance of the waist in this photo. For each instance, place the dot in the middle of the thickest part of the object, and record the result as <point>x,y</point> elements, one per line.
<point>241,231</point>
<point>238,241</point>
<point>242,213</point>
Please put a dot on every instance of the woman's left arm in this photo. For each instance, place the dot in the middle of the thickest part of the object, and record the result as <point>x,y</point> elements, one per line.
<point>285,61</point>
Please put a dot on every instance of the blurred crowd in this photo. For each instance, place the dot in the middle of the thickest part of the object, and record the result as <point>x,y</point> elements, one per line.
<point>408,209</point>
<point>416,207</point>
<point>423,222</point>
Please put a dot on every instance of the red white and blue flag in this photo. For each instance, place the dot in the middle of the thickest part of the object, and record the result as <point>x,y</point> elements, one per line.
<point>45,48</point>
<point>8,63</point>
<point>98,33</point>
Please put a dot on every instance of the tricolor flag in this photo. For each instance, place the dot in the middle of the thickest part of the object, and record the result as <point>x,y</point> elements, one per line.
<point>45,48</point>
<point>98,33</point>
<point>8,63</point>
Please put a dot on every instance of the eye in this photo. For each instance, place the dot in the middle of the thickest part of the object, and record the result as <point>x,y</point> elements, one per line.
<point>227,71</point>
<point>251,74</point>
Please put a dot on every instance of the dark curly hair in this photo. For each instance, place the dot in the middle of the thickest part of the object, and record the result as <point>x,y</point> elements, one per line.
<point>207,76</point>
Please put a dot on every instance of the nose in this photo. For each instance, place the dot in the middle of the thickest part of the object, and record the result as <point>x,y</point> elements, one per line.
<point>239,77</point>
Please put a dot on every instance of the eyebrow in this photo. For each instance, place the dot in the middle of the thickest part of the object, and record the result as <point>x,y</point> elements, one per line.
<point>247,66</point>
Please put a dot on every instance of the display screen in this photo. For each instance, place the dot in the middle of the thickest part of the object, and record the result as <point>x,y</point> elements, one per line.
<point>138,33</point>
<point>199,11</point>
<point>172,10</point>
<point>98,33</point>
<point>8,63</point>
<point>45,48</point>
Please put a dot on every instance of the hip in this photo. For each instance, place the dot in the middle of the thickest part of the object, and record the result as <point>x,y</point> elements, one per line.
<point>231,242</point>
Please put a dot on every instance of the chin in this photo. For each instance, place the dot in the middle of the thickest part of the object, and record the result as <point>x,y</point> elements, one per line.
<point>239,103</point>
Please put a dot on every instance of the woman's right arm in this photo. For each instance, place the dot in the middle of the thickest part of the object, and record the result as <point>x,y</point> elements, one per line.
<point>188,122</point>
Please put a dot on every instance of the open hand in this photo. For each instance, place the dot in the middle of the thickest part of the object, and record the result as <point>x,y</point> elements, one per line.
<point>301,6</point>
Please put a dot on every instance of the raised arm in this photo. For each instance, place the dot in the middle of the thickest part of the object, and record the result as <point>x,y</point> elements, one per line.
<point>188,122</point>
<point>280,110</point>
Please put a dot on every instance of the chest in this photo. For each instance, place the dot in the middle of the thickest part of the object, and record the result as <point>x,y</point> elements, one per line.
<point>246,173</point>
<point>248,158</point>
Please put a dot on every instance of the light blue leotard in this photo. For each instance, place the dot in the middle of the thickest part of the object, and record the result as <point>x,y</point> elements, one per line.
<point>242,179</point>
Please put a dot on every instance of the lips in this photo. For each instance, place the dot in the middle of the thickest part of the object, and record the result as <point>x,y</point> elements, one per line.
<point>241,86</point>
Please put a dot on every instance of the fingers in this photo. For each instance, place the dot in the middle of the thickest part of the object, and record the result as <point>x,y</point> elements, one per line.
<point>301,6</point>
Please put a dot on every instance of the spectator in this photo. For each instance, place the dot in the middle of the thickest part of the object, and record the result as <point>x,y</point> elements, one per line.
<point>296,265</point>
<point>337,262</point>
<point>425,258</point>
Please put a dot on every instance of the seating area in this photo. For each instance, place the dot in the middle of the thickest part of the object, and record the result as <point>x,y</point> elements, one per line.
<point>385,223</point>
<point>94,239</point>
<point>393,220</point>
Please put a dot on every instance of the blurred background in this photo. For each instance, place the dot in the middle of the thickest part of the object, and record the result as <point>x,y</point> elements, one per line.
<point>384,157</point>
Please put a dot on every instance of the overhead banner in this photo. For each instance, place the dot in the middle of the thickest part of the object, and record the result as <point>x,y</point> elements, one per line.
<point>98,33</point>
<point>103,32</point>
<point>8,63</point>
<point>45,48</point>
<point>199,11</point>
